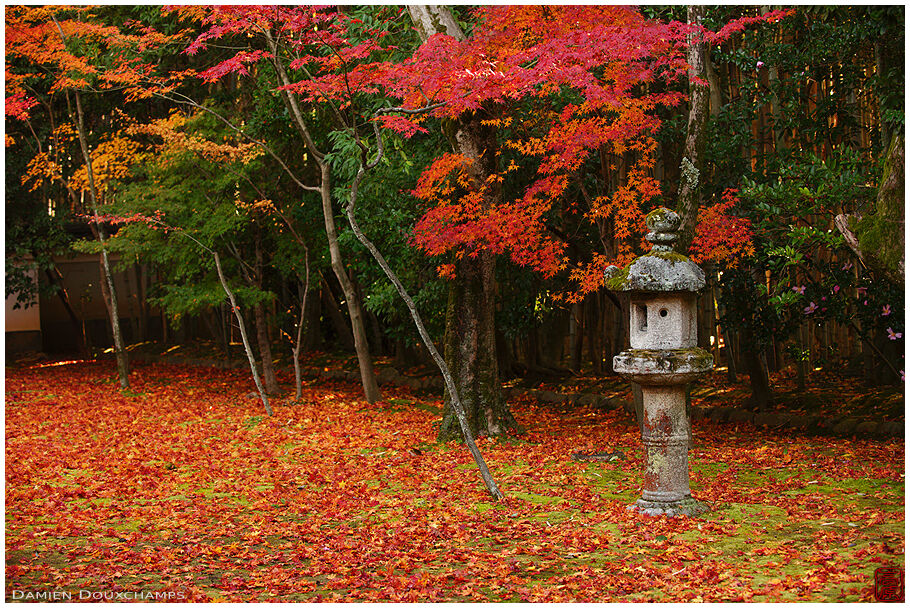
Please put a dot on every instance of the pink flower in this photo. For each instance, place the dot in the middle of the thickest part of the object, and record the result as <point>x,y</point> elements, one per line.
<point>759,65</point>
<point>800,290</point>
<point>836,288</point>
<point>902,375</point>
<point>894,335</point>
<point>886,310</point>
<point>847,266</point>
<point>812,307</point>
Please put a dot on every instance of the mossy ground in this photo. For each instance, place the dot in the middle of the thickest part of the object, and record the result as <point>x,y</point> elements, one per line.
<point>338,500</point>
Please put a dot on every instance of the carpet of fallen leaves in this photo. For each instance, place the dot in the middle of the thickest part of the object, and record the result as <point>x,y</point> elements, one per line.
<point>181,484</point>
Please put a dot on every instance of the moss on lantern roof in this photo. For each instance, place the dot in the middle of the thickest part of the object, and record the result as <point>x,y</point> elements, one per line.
<point>660,271</point>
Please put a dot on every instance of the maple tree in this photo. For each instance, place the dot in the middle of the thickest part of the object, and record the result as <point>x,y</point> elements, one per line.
<point>291,40</point>
<point>195,193</point>
<point>571,80</point>
<point>60,51</point>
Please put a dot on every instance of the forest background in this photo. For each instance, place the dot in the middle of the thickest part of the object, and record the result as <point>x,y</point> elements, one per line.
<point>499,163</point>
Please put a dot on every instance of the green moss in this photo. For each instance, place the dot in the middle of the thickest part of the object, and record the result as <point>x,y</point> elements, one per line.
<point>661,214</point>
<point>537,499</point>
<point>617,282</point>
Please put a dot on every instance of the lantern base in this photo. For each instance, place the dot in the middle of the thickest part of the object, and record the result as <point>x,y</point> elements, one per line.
<point>687,506</point>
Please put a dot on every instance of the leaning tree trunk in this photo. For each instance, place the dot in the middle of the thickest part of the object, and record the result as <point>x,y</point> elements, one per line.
<point>301,322</point>
<point>451,389</point>
<point>243,336</point>
<point>361,346</point>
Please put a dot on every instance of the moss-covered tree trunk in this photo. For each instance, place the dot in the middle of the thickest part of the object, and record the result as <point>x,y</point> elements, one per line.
<point>470,352</point>
<point>470,349</point>
<point>693,160</point>
<point>881,234</point>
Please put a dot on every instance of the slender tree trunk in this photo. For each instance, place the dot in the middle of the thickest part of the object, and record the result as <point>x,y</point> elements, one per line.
<point>110,293</point>
<point>262,327</point>
<point>265,350</point>
<point>246,342</point>
<point>762,396</point>
<point>448,379</point>
<point>361,346</point>
<point>342,329</point>
<point>298,343</point>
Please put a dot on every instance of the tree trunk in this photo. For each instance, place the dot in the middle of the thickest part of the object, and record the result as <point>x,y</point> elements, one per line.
<point>488,480</point>
<point>56,278</point>
<point>123,368</point>
<point>265,350</point>
<point>301,323</point>
<point>761,396</point>
<point>246,342</point>
<point>342,329</point>
<point>692,164</point>
<point>108,290</point>
<point>361,346</point>
<point>470,320</point>
<point>470,352</point>
<point>435,19</point>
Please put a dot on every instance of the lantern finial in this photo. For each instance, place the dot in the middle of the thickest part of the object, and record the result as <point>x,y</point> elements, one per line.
<point>663,225</point>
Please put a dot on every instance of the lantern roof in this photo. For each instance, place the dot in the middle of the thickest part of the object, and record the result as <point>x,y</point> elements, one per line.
<point>662,269</point>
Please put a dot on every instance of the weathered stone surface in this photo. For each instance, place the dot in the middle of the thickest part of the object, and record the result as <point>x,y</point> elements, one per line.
<point>548,397</point>
<point>586,399</point>
<point>663,321</point>
<point>828,424</point>
<point>657,271</point>
<point>662,359</point>
<point>609,403</point>
<point>720,414</point>
<point>803,422</point>
<point>663,366</point>
<point>769,419</point>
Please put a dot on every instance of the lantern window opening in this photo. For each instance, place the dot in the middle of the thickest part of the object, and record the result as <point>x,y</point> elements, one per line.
<point>642,317</point>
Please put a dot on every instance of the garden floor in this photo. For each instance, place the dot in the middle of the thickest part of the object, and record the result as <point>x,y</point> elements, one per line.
<point>181,485</point>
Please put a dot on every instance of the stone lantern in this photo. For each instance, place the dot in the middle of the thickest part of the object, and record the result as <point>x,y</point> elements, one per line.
<point>663,359</point>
